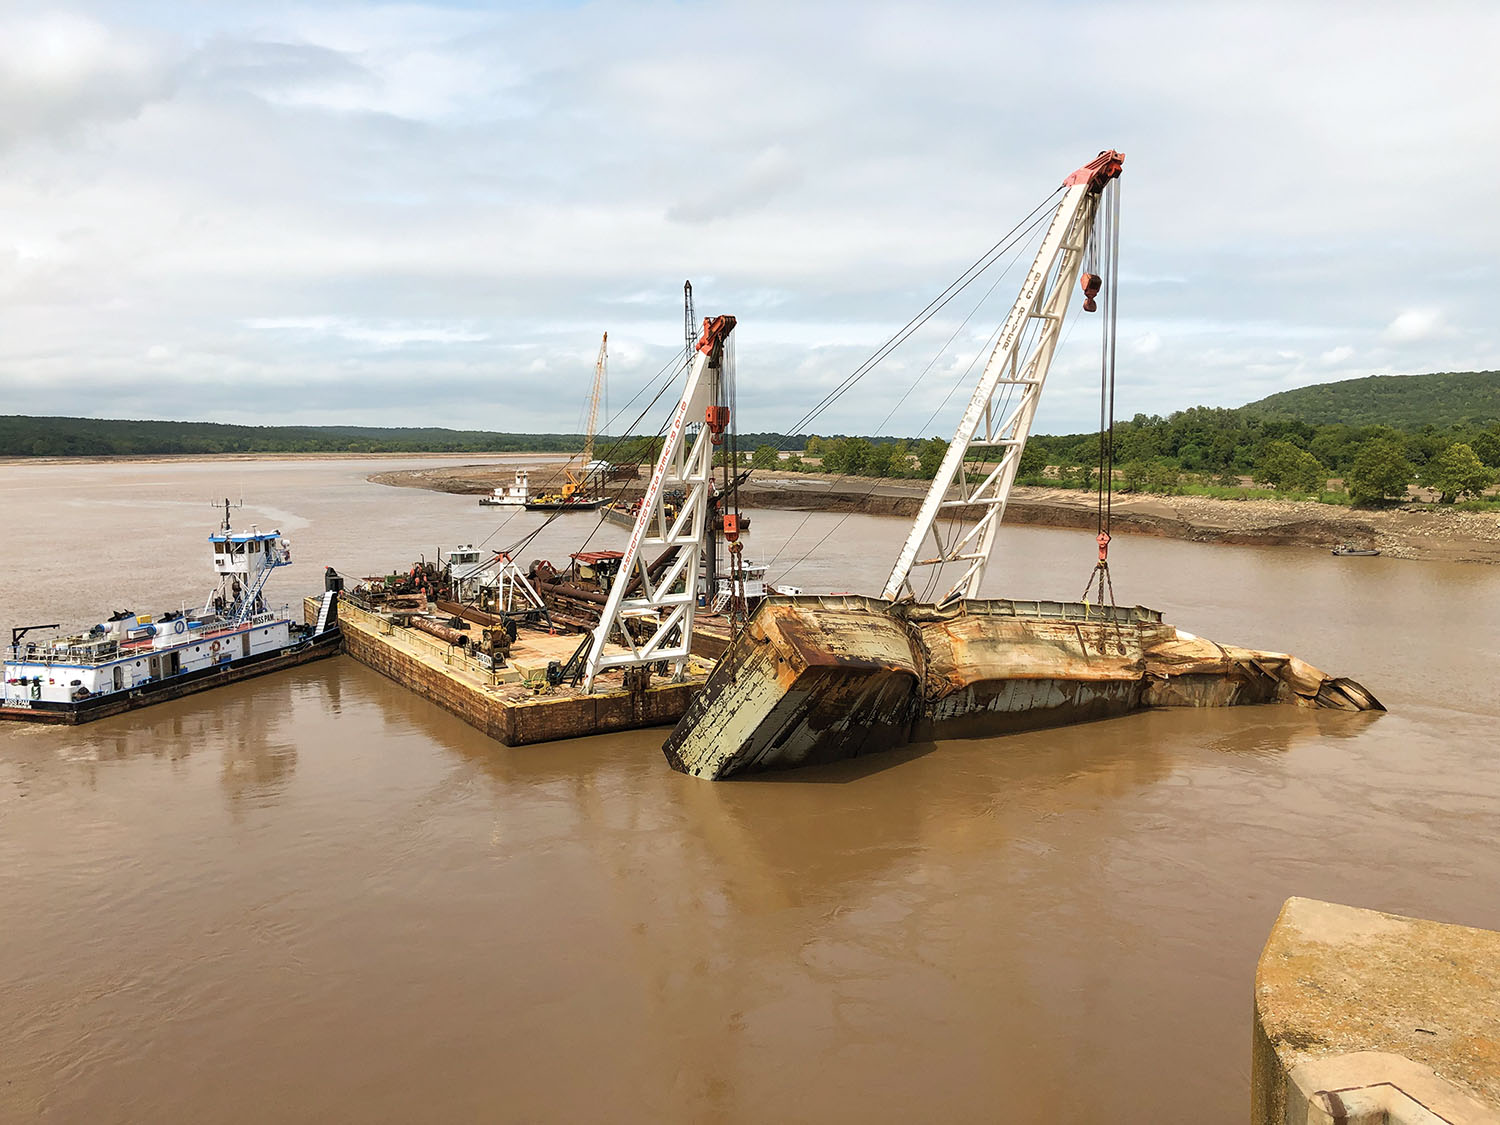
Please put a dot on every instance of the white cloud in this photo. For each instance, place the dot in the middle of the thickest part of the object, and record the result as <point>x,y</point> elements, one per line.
<point>382,335</point>
<point>459,199</point>
<point>1415,325</point>
<point>61,72</point>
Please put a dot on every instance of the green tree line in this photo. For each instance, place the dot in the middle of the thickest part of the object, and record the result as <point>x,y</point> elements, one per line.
<point>24,436</point>
<point>1206,446</point>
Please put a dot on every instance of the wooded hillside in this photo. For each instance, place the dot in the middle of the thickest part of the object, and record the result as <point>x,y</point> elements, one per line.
<point>1403,401</point>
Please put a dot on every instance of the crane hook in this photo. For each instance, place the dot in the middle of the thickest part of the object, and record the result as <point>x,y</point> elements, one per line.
<point>1091,284</point>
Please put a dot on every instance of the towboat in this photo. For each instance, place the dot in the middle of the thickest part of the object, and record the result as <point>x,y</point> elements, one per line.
<point>131,659</point>
<point>510,495</point>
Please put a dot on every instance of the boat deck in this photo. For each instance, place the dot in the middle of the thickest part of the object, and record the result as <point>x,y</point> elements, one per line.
<point>513,704</point>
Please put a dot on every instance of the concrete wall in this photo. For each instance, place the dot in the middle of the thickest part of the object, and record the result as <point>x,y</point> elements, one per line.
<point>1363,1017</point>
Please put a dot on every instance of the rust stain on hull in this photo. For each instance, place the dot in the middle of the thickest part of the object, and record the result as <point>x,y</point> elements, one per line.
<point>816,679</point>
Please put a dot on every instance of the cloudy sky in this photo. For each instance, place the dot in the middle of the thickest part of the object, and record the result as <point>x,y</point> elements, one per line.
<point>426,214</point>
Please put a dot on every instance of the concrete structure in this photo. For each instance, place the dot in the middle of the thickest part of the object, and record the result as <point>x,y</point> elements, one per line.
<point>1363,1017</point>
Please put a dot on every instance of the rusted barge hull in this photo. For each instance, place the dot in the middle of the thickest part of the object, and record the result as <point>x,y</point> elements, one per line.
<point>815,679</point>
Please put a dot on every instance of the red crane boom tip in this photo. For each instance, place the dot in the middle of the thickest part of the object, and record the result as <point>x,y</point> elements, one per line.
<point>1098,171</point>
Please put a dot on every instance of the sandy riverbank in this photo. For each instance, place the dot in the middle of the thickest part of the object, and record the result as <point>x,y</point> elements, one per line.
<point>1403,532</point>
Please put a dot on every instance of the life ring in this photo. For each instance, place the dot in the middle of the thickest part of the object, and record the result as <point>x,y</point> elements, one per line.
<point>179,626</point>
<point>214,648</point>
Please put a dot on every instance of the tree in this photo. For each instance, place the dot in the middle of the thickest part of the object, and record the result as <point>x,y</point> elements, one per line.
<point>1486,446</point>
<point>1033,461</point>
<point>930,456</point>
<point>1191,456</point>
<point>878,459</point>
<point>765,457</point>
<point>1134,476</point>
<point>1456,472</point>
<point>1283,466</point>
<point>1380,470</point>
<point>831,455</point>
<point>1163,479</point>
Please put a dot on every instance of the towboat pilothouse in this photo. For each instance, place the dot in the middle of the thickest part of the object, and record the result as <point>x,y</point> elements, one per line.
<point>131,659</point>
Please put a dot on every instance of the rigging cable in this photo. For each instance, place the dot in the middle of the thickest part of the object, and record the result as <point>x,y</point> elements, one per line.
<point>1026,235</point>
<point>954,288</point>
<point>1107,243</point>
<point>522,543</point>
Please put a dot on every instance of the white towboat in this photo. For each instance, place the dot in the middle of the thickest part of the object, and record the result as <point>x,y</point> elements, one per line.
<point>511,495</point>
<point>131,659</point>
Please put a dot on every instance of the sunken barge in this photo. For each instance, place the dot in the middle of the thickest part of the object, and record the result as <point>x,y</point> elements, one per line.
<point>817,679</point>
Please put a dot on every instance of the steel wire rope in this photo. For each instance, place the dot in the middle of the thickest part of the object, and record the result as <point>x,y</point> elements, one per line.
<point>953,289</point>
<point>520,544</point>
<point>1109,237</point>
<point>526,540</point>
<point>983,350</point>
<point>1027,235</point>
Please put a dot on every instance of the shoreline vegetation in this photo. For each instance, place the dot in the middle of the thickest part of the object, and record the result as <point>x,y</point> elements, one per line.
<point>1405,464</point>
<point>1406,531</point>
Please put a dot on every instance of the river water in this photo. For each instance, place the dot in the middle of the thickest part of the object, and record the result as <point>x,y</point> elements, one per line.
<point>316,896</point>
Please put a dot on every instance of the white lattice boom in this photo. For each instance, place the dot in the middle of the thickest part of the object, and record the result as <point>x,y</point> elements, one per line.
<point>1044,299</point>
<point>654,620</point>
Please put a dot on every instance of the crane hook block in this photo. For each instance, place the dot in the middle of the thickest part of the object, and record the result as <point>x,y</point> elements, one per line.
<point>1091,284</point>
<point>1103,541</point>
<point>731,526</point>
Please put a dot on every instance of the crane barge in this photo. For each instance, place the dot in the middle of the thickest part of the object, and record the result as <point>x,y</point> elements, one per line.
<point>819,678</point>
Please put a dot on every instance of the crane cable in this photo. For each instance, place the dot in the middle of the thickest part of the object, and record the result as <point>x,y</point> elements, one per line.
<point>1104,256</point>
<point>1017,238</point>
<point>954,288</point>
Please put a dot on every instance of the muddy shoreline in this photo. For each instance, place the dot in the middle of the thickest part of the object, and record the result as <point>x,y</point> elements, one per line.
<point>1401,532</point>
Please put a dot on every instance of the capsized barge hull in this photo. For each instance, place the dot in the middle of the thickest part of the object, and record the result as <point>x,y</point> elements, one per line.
<point>816,679</point>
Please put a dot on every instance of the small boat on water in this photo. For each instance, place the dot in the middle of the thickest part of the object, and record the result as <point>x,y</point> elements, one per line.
<point>1351,549</point>
<point>510,495</point>
<point>131,660</point>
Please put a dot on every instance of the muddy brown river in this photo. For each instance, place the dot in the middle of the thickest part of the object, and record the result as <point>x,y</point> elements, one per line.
<point>317,897</point>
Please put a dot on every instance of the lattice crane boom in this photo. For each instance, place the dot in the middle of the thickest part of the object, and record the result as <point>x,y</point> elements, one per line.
<point>651,617</point>
<point>1044,298</point>
<point>599,371</point>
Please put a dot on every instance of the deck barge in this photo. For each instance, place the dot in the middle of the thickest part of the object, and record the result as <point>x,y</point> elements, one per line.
<point>513,702</point>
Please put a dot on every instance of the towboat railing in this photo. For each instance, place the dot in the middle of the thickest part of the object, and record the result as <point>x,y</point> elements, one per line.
<point>88,653</point>
<point>85,654</point>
